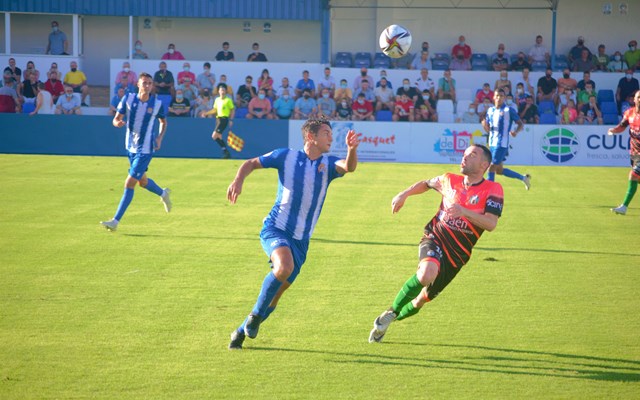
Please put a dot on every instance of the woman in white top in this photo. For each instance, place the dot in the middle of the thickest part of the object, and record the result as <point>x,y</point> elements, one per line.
<point>44,103</point>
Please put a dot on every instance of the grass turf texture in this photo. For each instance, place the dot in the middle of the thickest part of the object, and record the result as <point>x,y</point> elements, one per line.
<point>547,307</point>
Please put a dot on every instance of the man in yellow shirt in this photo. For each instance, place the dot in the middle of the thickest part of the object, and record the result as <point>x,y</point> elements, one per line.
<point>78,81</point>
<point>225,110</point>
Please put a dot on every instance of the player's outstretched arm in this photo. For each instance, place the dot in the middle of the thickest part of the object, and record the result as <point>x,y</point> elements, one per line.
<point>619,128</point>
<point>417,188</point>
<point>118,120</point>
<point>350,163</point>
<point>161,132</point>
<point>235,188</point>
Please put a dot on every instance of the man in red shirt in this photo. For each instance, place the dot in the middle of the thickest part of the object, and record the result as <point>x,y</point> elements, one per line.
<point>470,205</point>
<point>461,46</point>
<point>630,118</point>
<point>362,109</point>
<point>404,109</point>
<point>54,86</point>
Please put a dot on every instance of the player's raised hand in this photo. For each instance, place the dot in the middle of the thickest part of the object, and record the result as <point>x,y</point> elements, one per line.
<point>352,139</point>
<point>397,202</point>
<point>610,132</point>
<point>233,191</point>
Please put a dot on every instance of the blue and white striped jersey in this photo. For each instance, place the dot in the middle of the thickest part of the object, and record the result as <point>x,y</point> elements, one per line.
<point>140,119</point>
<point>302,188</point>
<point>500,121</point>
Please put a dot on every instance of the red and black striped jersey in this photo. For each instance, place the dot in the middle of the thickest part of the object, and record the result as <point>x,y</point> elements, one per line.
<point>457,236</point>
<point>631,118</point>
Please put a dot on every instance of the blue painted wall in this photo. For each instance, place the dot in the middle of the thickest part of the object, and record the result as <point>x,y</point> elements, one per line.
<point>94,135</point>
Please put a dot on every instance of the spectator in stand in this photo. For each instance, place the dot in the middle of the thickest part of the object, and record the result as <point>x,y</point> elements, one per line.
<point>362,109</point>
<point>256,55</point>
<point>365,88</point>
<point>510,103</point>
<point>469,116</point>
<point>266,82</point>
<point>585,62</point>
<point>31,68</point>
<point>447,86</point>
<point>228,92</point>
<point>520,63</point>
<point>172,53</point>
<point>406,88</point>
<point>404,109</point>
<point>632,56</point>
<point>305,84</point>
<point>538,52</point>
<point>384,96</point>
<point>285,86</point>
<point>344,112</point>
<point>246,92</point>
<point>306,106</point>
<point>547,87</point>
<point>576,52</point>
<point>16,73</point>
<point>54,86</point>
<point>259,106</point>
<point>186,73</point>
<point>207,79</point>
<point>57,44</point>
<point>528,111</point>
<point>425,108</point>
<point>383,74</point>
<point>485,93</point>
<point>463,47</point>
<point>115,100</point>
<point>343,93</point>
<point>503,83</point>
<point>364,74</point>
<point>526,82</point>
<point>78,82</point>
<point>586,78</point>
<point>590,113</point>
<point>601,60</point>
<point>484,107</point>
<point>68,104</point>
<point>425,83</point>
<point>627,86</point>
<point>500,59</point>
<point>284,105</point>
<point>44,104</point>
<point>569,114</point>
<point>421,62</point>
<point>225,54</point>
<point>54,67</point>
<point>179,106</point>
<point>326,105</point>
<point>459,63</point>
<point>204,104</point>
<point>617,64</point>
<point>163,80</point>
<point>520,96</point>
<point>138,54</point>
<point>565,97</point>
<point>9,101</point>
<point>124,84</point>
<point>327,82</point>
<point>566,82</point>
<point>189,91</point>
<point>423,47</point>
<point>128,74</point>
<point>28,91</point>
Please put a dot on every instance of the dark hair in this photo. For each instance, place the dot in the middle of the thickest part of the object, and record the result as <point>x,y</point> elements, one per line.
<point>255,44</point>
<point>312,125</point>
<point>207,64</point>
<point>144,75</point>
<point>225,43</point>
<point>486,153</point>
<point>221,85</point>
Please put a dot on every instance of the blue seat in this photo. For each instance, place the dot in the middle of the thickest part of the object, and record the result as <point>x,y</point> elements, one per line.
<point>479,65</point>
<point>343,59</point>
<point>605,95</point>
<point>610,119</point>
<point>384,115</point>
<point>28,107</point>
<point>241,112</point>
<point>479,56</point>
<point>546,107</point>
<point>548,119</point>
<point>609,107</point>
<point>381,60</point>
<point>439,64</point>
<point>561,65</point>
<point>342,63</point>
<point>362,59</point>
<point>166,100</point>
<point>539,66</point>
<point>442,56</point>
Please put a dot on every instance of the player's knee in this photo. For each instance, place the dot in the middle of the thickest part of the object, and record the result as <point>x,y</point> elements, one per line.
<point>282,271</point>
<point>427,272</point>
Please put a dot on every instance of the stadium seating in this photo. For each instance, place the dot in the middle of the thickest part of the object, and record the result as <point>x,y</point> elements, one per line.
<point>362,59</point>
<point>605,95</point>
<point>546,107</point>
<point>462,106</point>
<point>28,107</point>
<point>547,119</point>
<point>439,64</point>
<point>539,66</point>
<point>445,111</point>
<point>441,56</point>
<point>463,94</point>
<point>381,60</point>
<point>166,100</point>
<point>479,62</point>
<point>561,62</point>
<point>384,115</point>
<point>610,119</point>
<point>241,112</point>
<point>343,60</point>
<point>609,107</point>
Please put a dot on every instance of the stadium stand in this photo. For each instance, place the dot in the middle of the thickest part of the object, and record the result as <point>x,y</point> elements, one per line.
<point>445,111</point>
<point>362,59</point>
<point>384,115</point>
<point>605,95</point>
<point>343,60</point>
<point>381,60</point>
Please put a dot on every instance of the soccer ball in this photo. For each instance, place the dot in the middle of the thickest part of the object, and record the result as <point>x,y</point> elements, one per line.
<point>395,41</point>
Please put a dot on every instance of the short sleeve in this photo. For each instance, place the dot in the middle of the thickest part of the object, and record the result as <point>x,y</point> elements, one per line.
<point>495,200</point>
<point>274,159</point>
<point>514,114</point>
<point>121,109</point>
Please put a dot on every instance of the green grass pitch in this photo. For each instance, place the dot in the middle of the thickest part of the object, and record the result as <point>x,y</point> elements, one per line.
<point>547,308</point>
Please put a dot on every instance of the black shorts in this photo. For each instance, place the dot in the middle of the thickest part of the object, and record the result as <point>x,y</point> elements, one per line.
<point>635,164</point>
<point>430,248</point>
<point>221,124</point>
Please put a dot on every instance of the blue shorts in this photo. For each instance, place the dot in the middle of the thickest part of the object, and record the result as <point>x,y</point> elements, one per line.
<point>499,155</point>
<point>271,239</point>
<point>139,164</point>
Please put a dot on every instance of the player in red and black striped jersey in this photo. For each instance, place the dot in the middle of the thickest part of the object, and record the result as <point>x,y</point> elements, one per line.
<point>631,118</point>
<point>470,205</point>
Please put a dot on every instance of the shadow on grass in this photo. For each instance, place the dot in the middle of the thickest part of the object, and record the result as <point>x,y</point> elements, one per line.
<point>527,249</point>
<point>484,359</point>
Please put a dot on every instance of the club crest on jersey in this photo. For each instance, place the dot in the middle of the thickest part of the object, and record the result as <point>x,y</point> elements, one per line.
<point>149,110</point>
<point>322,167</point>
<point>474,199</point>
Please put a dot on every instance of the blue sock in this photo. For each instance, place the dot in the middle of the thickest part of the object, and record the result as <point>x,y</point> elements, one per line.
<point>491,176</point>
<point>270,287</point>
<point>267,313</point>
<point>127,196</point>
<point>512,174</point>
<point>153,187</point>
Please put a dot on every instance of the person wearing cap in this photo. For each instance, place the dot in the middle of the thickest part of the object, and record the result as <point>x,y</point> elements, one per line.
<point>576,51</point>
<point>632,56</point>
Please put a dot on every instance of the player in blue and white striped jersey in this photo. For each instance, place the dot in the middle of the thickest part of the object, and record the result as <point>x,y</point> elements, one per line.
<point>304,177</point>
<point>141,110</point>
<point>498,123</point>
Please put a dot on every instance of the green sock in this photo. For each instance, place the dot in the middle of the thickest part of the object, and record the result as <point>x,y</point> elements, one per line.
<point>631,190</point>
<point>407,311</point>
<point>409,291</point>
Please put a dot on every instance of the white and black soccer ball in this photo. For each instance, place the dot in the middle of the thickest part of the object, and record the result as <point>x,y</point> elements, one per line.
<point>395,41</point>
